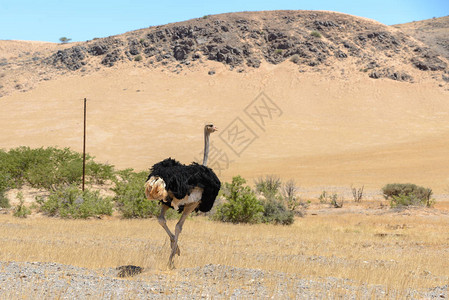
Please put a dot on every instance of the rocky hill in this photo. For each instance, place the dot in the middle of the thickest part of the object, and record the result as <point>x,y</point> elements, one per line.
<point>433,32</point>
<point>313,40</point>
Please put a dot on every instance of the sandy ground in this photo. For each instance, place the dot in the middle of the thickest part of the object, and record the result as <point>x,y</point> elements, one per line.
<point>331,128</point>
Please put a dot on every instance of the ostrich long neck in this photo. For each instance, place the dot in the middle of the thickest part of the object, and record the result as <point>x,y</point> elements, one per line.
<point>206,146</point>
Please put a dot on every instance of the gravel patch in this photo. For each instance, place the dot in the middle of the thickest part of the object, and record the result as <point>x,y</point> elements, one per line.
<point>33,280</point>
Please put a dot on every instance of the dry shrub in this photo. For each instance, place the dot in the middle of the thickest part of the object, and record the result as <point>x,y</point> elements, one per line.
<point>407,194</point>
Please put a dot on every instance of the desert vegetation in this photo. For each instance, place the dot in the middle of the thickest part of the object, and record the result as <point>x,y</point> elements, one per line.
<point>388,253</point>
<point>21,210</point>
<point>64,40</point>
<point>72,202</point>
<point>48,168</point>
<point>244,206</point>
<point>315,34</point>
<point>130,198</point>
<point>332,199</point>
<point>357,193</point>
<point>59,172</point>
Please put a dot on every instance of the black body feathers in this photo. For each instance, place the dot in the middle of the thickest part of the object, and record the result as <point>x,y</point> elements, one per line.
<point>181,179</point>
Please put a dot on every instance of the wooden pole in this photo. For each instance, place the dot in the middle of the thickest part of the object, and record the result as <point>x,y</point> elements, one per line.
<point>84,145</point>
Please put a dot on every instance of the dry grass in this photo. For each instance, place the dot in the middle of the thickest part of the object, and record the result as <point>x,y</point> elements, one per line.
<point>399,251</point>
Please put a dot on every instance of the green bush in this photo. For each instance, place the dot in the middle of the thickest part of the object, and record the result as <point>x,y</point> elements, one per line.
<point>396,189</point>
<point>13,165</point>
<point>325,197</point>
<point>315,34</point>
<point>5,176</point>
<point>276,212</point>
<point>71,202</point>
<point>410,200</point>
<point>404,200</point>
<point>295,59</point>
<point>4,201</point>
<point>268,187</point>
<point>54,168</point>
<point>289,190</point>
<point>99,173</point>
<point>291,200</point>
<point>49,168</point>
<point>138,58</point>
<point>331,199</point>
<point>21,211</point>
<point>130,197</point>
<point>242,205</point>
<point>275,205</point>
<point>278,51</point>
<point>405,194</point>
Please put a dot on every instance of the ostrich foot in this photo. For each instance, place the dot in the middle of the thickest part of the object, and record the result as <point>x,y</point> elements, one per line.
<point>171,265</point>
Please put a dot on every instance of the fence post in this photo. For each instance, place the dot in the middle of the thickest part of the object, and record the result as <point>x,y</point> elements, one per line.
<point>84,145</point>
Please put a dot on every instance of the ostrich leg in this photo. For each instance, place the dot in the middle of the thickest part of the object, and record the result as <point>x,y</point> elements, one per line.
<point>187,210</point>
<point>163,223</point>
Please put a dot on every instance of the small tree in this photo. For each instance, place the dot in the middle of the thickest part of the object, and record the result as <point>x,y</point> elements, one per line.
<point>405,194</point>
<point>64,40</point>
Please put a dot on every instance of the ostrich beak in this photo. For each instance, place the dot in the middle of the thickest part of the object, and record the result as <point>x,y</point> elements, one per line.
<point>215,128</point>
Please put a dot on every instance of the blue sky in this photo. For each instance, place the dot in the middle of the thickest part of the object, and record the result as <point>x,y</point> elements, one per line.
<point>83,20</point>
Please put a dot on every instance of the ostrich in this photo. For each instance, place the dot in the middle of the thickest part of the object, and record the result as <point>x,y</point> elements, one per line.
<point>183,187</point>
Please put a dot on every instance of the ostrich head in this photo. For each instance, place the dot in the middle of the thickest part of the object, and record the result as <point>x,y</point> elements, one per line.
<point>209,128</point>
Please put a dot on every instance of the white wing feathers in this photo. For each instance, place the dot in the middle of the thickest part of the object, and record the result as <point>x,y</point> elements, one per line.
<point>195,196</point>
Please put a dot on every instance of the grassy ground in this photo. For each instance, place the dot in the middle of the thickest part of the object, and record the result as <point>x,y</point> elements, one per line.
<point>400,250</point>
